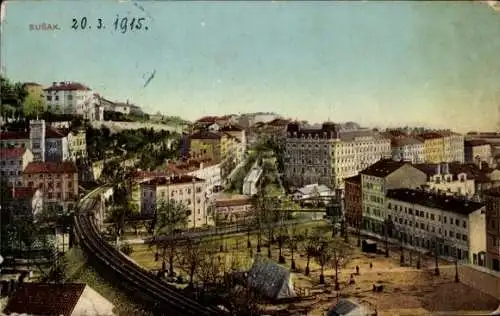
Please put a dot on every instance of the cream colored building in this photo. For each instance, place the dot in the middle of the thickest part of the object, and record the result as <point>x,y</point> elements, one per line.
<point>77,144</point>
<point>478,151</point>
<point>188,190</point>
<point>453,147</point>
<point>376,180</point>
<point>426,220</point>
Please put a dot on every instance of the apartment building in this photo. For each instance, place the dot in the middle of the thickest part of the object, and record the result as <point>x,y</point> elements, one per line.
<point>73,98</point>
<point>12,163</point>
<point>433,147</point>
<point>478,150</point>
<point>58,181</point>
<point>45,143</point>
<point>239,134</point>
<point>308,154</point>
<point>217,146</point>
<point>453,146</point>
<point>232,208</point>
<point>205,169</point>
<point>455,226</point>
<point>492,202</point>
<point>77,144</point>
<point>353,201</point>
<point>376,180</point>
<point>409,149</point>
<point>184,189</point>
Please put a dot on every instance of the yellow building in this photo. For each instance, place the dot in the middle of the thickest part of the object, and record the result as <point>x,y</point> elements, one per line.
<point>433,147</point>
<point>214,145</point>
<point>77,144</point>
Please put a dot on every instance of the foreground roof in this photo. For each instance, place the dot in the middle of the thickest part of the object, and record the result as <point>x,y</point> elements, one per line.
<point>45,299</point>
<point>383,168</point>
<point>435,201</point>
<point>23,192</point>
<point>51,167</point>
<point>9,153</point>
<point>67,86</point>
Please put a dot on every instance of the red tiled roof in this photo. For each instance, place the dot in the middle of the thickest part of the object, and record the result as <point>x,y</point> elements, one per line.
<point>356,179</point>
<point>67,86</point>
<point>31,84</point>
<point>51,132</point>
<point>232,128</point>
<point>207,119</point>
<point>179,179</point>
<point>205,135</point>
<point>7,135</point>
<point>6,153</point>
<point>45,299</point>
<point>51,167</point>
<point>23,192</point>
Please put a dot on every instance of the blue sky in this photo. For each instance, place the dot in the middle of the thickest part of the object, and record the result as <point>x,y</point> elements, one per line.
<point>378,63</point>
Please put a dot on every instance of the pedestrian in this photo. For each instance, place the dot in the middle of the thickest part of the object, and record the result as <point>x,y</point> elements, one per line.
<point>357,270</point>
<point>371,265</point>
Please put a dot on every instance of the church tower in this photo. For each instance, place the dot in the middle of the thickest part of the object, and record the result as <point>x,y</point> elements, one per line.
<point>37,139</point>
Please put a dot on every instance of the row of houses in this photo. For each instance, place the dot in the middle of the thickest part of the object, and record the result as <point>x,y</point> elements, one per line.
<point>330,153</point>
<point>433,207</point>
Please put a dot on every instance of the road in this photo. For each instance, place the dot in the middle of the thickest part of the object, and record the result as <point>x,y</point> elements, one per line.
<point>163,297</point>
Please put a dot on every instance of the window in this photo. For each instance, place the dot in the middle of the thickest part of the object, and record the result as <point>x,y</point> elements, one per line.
<point>49,98</point>
<point>444,219</point>
<point>432,217</point>
<point>464,224</point>
<point>57,98</point>
<point>457,222</point>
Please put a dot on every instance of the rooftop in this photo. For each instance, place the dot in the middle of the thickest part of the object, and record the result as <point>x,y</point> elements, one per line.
<point>45,299</point>
<point>231,128</point>
<point>50,167</point>
<point>435,201</point>
<point>23,192</point>
<point>9,153</point>
<point>226,200</point>
<point>455,168</point>
<point>429,135</point>
<point>404,141</point>
<point>11,135</point>
<point>356,179</point>
<point>172,180</point>
<point>205,135</point>
<point>383,168</point>
<point>67,86</point>
<point>475,142</point>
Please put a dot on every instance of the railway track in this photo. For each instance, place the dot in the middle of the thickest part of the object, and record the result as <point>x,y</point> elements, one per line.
<point>165,298</point>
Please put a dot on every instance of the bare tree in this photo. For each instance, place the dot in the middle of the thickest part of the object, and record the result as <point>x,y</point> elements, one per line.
<point>323,256</point>
<point>189,258</point>
<point>340,252</point>
<point>310,248</point>
<point>293,243</point>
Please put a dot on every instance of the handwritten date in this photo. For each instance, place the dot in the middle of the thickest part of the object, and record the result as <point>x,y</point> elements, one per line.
<point>119,24</point>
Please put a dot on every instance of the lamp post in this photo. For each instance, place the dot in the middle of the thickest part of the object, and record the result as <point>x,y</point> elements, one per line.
<point>456,266</point>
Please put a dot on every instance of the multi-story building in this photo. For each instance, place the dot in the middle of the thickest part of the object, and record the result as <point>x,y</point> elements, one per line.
<point>217,146</point>
<point>407,149</point>
<point>433,147</point>
<point>46,143</point>
<point>308,154</point>
<point>205,169</point>
<point>453,146</point>
<point>73,98</point>
<point>478,150</point>
<point>455,227</point>
<point>12,163</point>
<point>492,201</point>
<point>384,175</point>
<point>58,181</point>
<point>77,144</point>
<point>355,150</point>
<point>232,208</point>
<point>353,201</point>
<point>239,133</point>
<point>187,190</point>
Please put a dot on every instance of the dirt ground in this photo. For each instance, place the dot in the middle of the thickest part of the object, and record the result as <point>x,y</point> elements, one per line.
<point>406,290</point>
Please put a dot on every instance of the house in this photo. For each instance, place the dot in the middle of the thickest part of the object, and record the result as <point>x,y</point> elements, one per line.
<point>66,299</point>
<point>478,149</point>
<point>73,98</point>
<point>270,279</point>
<point>407,149</point>
<point>77,144</point>
<point>346,307</point>
<point>231,208</point>
<point>455,226</point>
<point>353,201</point>
<point>312,191</point>
<point>184,189</point>
<point>376,180</point>
<point>27,201</point>
<point>58,181</point>
<point>12,163</point>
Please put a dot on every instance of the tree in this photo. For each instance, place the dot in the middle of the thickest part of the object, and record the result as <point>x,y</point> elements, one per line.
<point>12,97</point>
<point>310,248</point>
<point>33,105</point>
<point>323,256</point>
<point>294,241</point>
<point>189,258</point>
<point>210,266</point>
<point>170,217</point>
<point>340,251</point>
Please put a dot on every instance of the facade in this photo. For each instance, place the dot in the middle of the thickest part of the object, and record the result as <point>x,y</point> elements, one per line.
<point>77,145</point>
<point>478,151</point>
<point>28,201</point>
<point>453,147</point>
<point>492,201</point>
<point>58,181</point>
<point>407,149</point>
<point>239,133</point>
<point>251,181</point>
<point>376,180</point>
<point>12,163</point>
<point>433,147</point>
<point>206,144</point>
<point>72,98</point>
<point>456,227</point>
<point>232,208</point>
<point>205,169</point>
<point>308,154</point>
<point>353,201</point>
<point>56,145</point>
<point>187,190</point>
<point>10,139</point>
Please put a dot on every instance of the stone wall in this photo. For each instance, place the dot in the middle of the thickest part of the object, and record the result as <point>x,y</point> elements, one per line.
<point>479,278</point>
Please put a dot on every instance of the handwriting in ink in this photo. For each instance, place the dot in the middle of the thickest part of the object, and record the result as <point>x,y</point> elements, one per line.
<point>120,24</point>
